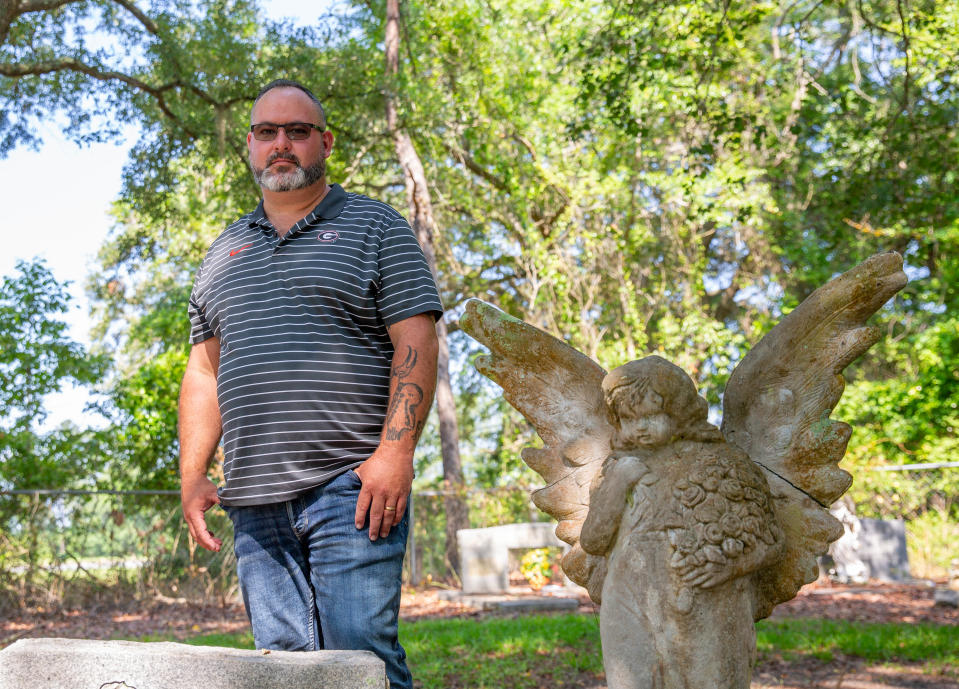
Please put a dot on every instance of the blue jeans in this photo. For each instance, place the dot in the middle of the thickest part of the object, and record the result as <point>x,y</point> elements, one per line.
<point>311,580</point>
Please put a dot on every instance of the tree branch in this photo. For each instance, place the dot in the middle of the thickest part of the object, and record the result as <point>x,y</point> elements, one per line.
<point>527,144</point>
<point>25,6</point>
<point>474,167</point>
<point>905,51</point>
<point>11,9</point>
<point>148,23</point>
<point>17,70</point>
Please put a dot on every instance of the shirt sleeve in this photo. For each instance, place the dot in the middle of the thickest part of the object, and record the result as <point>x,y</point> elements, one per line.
<point>406,285</point>
<point>200,329</point>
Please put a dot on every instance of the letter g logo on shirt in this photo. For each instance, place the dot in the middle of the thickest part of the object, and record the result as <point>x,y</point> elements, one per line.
<point>328,236</point>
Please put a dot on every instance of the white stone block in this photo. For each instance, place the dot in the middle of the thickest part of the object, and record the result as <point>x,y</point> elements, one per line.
<point>86,664</point>
<point>484,553</point>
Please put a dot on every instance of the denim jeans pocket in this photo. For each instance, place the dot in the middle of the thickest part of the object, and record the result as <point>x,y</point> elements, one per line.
<point>355,477</point>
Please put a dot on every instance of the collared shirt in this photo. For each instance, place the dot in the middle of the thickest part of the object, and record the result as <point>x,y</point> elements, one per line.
<point>305,358</point>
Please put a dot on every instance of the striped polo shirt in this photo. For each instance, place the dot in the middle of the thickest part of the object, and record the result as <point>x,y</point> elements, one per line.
<point>305,359</point>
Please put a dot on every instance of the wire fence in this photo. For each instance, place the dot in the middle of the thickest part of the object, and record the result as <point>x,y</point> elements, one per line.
<point>70,548</point>
<point>74,548</point>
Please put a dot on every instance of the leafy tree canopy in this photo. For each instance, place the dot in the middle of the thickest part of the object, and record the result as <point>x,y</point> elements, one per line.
<point>37,358</point>
<point>636,177</point>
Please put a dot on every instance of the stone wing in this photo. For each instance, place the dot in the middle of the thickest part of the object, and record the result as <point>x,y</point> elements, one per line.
<point>777,404</point>
<point>559,391</point>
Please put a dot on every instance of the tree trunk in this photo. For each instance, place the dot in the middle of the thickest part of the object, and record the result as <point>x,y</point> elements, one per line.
<point>421,218</point>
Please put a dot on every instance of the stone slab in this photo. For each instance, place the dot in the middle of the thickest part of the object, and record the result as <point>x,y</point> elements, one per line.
<point>511,603</point>
<point>868,549</point>
<point>946,597</point>
<point>532,604</point>
<point>484,553</point>
<point>86,664</point>
<point>882,546</point>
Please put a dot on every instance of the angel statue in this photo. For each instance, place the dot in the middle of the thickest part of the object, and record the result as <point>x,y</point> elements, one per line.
<point>685,533</point>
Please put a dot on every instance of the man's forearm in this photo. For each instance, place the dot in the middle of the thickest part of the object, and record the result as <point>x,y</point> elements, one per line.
<point>200,428</point>
<point>412,383</point>
<point>387,475</point>
<point>199,424</point>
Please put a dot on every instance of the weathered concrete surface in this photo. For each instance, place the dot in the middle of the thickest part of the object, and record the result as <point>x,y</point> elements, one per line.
<point>947,597</point>
<point>882,546</point>
<point>85,664</point>
<point>509,603</point>
<point>484,553</point>
<point>868,549</point>
<point>533,605</point>
<point>687,533</point>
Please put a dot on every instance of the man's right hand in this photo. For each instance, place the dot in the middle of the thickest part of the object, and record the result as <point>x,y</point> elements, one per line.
<point>197,496</point>
<point>200,426</point>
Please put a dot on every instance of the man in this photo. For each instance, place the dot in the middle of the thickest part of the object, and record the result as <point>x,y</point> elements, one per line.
<point>314,354</point>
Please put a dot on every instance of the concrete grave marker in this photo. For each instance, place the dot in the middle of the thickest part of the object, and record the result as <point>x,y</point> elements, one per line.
<point>882,546</point>
<point>86,664</point>
<point>484,553</point>
<point>868,548</point>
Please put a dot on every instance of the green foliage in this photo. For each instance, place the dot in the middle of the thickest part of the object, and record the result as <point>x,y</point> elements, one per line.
<point>82,551</point>
<point>486,507</point>
<point>540,565</point>
<point>38,358</point>
<point>913,417</point>
<point>144,410</point>
<point>635,177</point>
<point>36,355</point>
<point>910,418</point>
<point>931,541</point>
<point>183,77</point>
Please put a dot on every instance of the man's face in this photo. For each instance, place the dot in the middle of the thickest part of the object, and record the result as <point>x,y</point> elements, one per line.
<point>283,164</point>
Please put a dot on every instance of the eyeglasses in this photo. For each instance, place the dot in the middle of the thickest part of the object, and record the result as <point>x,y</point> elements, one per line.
<point>295,131</point>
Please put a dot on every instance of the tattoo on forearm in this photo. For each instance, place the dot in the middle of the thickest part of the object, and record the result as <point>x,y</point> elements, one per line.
<point>406,399</point>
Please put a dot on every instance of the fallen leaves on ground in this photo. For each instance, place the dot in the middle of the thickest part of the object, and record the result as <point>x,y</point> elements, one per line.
<point>866,603</point>
<point>180,620</point>
<point>873,603</point>
<point>843,672</point>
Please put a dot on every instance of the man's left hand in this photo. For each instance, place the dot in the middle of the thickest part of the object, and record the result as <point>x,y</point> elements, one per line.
<point>387,479</point>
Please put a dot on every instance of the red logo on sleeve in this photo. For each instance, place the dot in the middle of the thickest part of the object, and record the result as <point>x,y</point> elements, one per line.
<point>236,251</point>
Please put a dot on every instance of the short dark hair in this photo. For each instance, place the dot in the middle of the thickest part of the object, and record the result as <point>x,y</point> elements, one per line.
<point>289,83</point>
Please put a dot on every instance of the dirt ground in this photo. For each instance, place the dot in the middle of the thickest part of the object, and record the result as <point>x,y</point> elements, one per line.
<point>844,673</point>
<point>873,603</point>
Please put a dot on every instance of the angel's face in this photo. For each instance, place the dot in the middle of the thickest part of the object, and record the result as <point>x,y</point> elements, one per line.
<point>646,423</point>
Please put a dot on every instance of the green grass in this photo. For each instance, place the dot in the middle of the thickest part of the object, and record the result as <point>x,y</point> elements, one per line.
<point>559,650</point>
<point>935,645</point>
<point>528,651</point>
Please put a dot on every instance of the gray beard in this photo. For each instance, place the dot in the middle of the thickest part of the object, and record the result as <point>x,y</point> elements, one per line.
<point>300,178</point>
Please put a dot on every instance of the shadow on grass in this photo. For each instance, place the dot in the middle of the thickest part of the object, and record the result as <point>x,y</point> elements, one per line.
<point>528,652</point>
